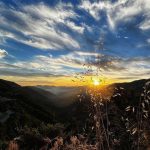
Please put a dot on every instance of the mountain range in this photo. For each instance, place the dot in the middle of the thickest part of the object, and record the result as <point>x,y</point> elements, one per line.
<point>30,106</point>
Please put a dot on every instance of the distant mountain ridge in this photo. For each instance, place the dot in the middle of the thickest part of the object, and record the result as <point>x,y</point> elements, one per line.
<point>59,96</point>
<point>136,85</point>
<point>26,98</point>
<point>48,98</point>
<point>32,106</point>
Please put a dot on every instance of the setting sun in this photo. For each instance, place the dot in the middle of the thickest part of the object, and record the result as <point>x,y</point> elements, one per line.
<point>96,82</point>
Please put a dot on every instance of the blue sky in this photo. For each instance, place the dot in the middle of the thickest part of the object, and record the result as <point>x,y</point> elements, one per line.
<point>42,40</point>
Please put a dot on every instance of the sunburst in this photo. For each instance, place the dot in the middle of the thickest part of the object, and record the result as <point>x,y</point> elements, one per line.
<point>96,82</point>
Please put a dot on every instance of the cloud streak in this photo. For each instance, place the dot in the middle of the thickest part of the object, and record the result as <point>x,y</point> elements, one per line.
<point>119,11</point>
<point>69,65</point>
<point>37,25</point>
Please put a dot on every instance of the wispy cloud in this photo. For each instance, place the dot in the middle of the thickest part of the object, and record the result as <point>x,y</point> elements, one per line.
<point>119,11</point>
<point>38,25</point>
<point>109,35</point>
<point>69,65</point>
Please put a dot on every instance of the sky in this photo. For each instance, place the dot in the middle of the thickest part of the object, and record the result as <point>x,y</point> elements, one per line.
<point>50,42</point>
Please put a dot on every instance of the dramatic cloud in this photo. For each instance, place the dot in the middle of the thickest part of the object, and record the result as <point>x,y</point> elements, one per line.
<point>51,39</point>
<point>69,65</point>
<point>119,11</point>
<point>38,25</point>
<point>92,8</point>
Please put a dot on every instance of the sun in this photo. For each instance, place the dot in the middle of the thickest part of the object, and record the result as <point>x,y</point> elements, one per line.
<point>96,82</point>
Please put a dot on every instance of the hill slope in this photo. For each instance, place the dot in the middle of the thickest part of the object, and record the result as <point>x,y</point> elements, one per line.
<point>30,106</point>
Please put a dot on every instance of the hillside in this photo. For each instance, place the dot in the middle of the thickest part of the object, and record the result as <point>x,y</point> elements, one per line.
<point>59,96</point>
<point>21,106</point>
<point>35,107</point>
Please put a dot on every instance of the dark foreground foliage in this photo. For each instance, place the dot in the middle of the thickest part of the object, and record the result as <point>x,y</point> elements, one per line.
<point>120,123</point>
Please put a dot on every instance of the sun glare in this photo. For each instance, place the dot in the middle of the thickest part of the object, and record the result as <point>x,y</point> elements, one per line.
<point>96,82</point>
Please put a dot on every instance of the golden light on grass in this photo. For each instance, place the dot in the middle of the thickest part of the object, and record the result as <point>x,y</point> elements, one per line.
<point>99,89</point>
